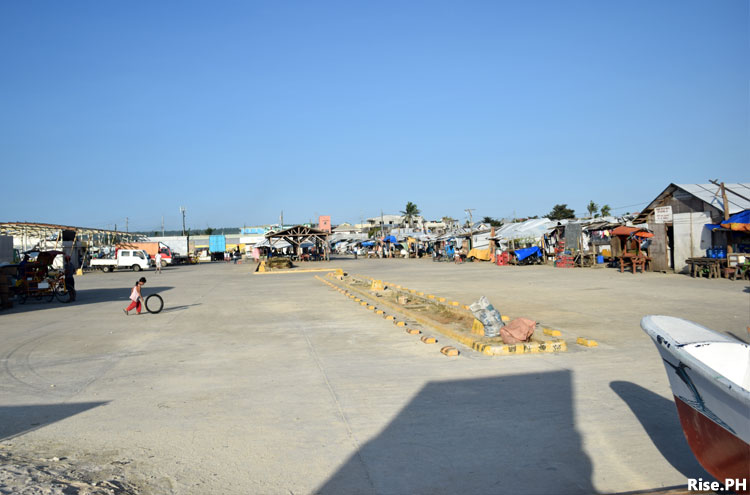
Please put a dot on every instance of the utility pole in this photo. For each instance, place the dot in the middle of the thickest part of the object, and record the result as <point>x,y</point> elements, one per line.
<point>182,210</point>
<point>382,224</point>
<point>126,224</point>
<point>726,210</point>
<point>281,220</point>
<point>471,227</point>
<point>162,225</point>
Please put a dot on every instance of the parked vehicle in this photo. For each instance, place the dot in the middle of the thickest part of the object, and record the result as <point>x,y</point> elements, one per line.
<point>178,244</point>
<point>135,259</point>
<point>152,248</point>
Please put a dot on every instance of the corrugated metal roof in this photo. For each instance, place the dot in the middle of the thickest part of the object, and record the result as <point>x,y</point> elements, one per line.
<point>738,195</point>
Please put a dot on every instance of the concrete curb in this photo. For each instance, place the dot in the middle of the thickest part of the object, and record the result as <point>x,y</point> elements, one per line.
<point>548,346</point>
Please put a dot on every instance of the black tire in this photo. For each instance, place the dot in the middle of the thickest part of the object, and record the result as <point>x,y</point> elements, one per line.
<point>154,303</point>
<point>62,294</point>
<point>136,268</point>
<point>163,264</point>
<point>106,269</point>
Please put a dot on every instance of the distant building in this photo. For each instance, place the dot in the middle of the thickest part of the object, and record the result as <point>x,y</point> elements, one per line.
<point>324,223</point>
<point>678,218</point>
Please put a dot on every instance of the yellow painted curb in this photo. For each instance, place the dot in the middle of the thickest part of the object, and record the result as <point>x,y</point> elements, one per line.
<point>441,299</point>
<point>455,303</point>
<point>466,307</point>
<point>413,331</point>
<point>420,293</point>
<point>278,272</point>
<point>553,333</point>
<point>586,342</point>
<point>379,312</point>
<point>429,340</point>
<point>449,351</point>
<point>521,348</point>
<point>430,296</point>
<point>401,324</point>
<point>363,303</point>
<point>477,327</point>
<point>390,317</point>
<point>370,307</point>
<point>505,318</point>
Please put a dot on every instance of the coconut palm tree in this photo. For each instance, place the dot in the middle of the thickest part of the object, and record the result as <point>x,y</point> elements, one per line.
<point>410,213</point>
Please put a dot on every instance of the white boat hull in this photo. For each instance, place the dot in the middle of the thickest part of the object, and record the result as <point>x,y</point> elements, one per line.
<point>709,374</point>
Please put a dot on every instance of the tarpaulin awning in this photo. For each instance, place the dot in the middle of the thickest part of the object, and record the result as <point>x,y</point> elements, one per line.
<point>522,254</point>
<point>738,222</point>
<point>632,231</point>
<point>480,254</point>
<point>390,238</point>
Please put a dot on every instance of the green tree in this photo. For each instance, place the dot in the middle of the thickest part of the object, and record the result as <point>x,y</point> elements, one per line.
<point>494,222</point>
<point>561,212</point>
<point>209,231</point>
<point>410,213</point>
<point>592,208</point>
<point>606,211</point>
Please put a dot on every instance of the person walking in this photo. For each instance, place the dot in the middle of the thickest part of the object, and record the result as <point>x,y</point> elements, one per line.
<point>136,297</point>
<point>70,283</point>
<point>158,262</point>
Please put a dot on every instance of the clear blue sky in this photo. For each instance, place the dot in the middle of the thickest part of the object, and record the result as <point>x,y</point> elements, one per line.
<point>238,110</point>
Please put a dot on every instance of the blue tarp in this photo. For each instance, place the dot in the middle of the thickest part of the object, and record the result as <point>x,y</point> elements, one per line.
<point>390,238</point>
<point>522,254</point>
<point>368,243</point>
<point>741,217</point>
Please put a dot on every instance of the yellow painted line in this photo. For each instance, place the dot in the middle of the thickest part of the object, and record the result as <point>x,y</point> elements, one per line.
<point>586,342</point>
<point>306,270</point>
<point>553,333</point>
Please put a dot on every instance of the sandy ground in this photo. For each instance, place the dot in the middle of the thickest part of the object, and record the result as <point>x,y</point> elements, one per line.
<point>278,384</point>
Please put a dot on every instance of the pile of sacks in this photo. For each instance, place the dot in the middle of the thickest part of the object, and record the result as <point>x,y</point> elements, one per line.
<point>518,330</point>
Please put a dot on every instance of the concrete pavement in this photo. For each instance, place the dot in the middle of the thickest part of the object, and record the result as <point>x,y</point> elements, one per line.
<point>277,384</point>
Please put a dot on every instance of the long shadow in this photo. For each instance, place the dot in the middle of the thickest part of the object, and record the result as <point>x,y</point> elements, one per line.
<point>179,308</point>
<point>17,420</point>
<point>83,297</point>
<point>658,416</point>
<point>513,434</point>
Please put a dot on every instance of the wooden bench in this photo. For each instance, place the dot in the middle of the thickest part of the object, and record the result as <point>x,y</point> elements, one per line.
<point>635,261</point>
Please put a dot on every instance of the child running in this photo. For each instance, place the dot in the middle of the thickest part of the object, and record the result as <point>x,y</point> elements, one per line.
<point>136,297</point>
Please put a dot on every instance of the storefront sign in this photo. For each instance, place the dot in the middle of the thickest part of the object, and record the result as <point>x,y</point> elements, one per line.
<point>663,214</point>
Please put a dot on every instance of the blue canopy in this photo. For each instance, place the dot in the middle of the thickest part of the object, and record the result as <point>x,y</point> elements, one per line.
<point>522,254</point>
<point>368,243</point>
<point>390,238</point>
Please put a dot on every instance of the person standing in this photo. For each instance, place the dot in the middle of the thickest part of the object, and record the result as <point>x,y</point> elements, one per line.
<point>158,262</point>
<point>136,297</point>
<point>70,283</point>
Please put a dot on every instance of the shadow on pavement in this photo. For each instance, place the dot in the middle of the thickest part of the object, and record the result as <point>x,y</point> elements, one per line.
<point>85,296</point>
<point>658,416</point>
<point>513,434</point>
<point>17,420</point>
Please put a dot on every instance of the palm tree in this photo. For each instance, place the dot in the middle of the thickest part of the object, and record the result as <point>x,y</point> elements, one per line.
<point>410,212</point>
<point>592,208</point>
<point>606,211</point>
